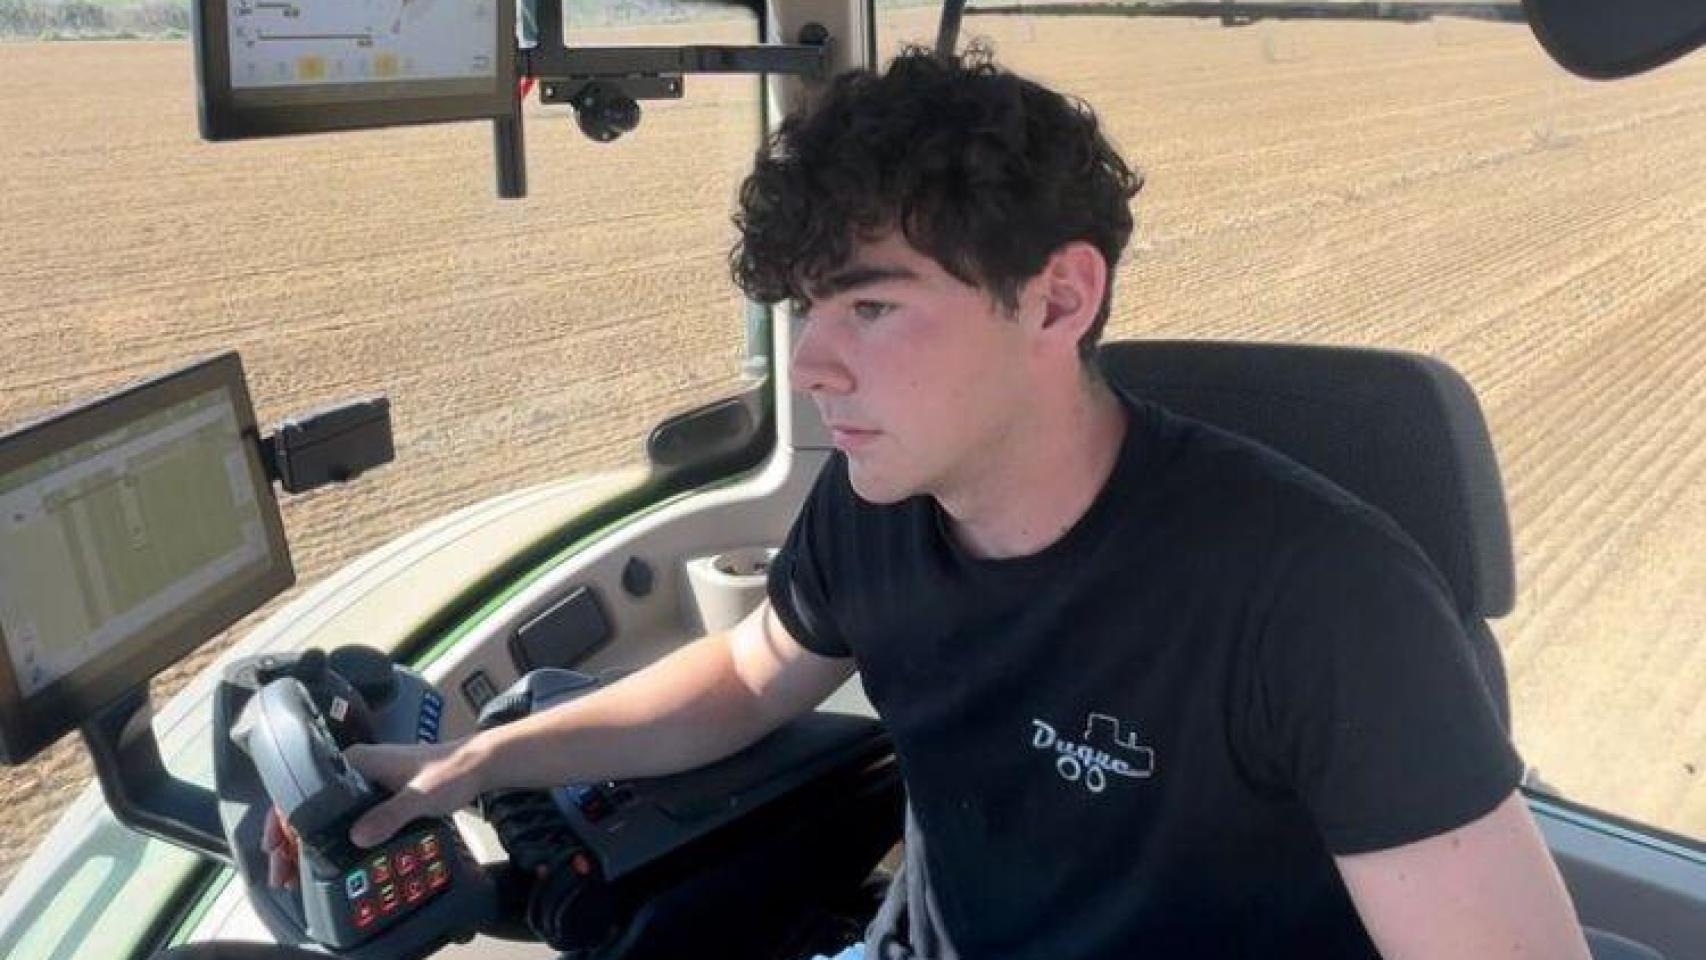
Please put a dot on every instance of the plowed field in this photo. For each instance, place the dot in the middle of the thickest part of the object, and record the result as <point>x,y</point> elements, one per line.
<point>1439,187</point>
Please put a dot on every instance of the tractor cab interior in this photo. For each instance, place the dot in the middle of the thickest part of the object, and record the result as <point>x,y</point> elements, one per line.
<point>775,852</point>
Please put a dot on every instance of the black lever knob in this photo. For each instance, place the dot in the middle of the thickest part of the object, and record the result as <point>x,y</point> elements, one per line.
<point>368,671</point>
<point>346,710</point>
<point>310,666</point>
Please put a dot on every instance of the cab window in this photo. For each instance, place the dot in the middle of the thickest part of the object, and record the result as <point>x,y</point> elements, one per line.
<point>519,341</point>
<point>1444,187</point>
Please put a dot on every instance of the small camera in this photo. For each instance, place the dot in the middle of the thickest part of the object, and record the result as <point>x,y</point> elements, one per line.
<point>604,111</point>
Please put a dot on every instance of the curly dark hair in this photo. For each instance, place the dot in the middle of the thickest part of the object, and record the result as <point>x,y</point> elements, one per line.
<point>982,170</point>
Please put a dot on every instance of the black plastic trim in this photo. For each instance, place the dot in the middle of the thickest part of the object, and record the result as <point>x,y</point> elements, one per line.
<point>1579,33</point>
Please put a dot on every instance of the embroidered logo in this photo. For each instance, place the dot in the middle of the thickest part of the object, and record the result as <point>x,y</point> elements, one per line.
<point>1105,751</point>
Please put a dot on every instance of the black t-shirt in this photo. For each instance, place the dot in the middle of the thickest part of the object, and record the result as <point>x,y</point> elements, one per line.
<point>1150,738</point>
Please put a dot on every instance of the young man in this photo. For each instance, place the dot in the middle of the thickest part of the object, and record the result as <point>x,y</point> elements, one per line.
<point>1156,691</point>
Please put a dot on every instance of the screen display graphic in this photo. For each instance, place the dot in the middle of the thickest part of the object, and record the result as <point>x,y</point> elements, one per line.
<point>103,539</point>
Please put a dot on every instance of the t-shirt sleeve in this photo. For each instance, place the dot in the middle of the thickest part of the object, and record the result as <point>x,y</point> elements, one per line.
<point>1376,712</point>
<point>799,578</point>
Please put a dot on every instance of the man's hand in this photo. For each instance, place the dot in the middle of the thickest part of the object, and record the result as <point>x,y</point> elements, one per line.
<point>699,704</point>
<point>426,780</point>
<point>280,843</point>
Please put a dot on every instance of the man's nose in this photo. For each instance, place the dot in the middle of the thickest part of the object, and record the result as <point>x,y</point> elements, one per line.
<point>818,364</point>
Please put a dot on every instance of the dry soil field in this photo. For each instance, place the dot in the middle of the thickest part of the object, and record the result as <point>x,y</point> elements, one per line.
<point>1438,187</point>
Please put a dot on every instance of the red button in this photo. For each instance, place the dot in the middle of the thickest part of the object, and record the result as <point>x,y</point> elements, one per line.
<point>381,869</point>
<point>364,913</point>
<point>429,846</point>
<point>407,863</point>
<point>437,875</point>
<point>414,889</point>
<point>388,898</point>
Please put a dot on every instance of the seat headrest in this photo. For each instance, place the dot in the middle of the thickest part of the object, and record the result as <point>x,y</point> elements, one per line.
<point>1400,430</point>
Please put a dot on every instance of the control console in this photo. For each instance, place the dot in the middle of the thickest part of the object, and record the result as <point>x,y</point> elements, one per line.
<point>745,853</point>
<point>287,721</point>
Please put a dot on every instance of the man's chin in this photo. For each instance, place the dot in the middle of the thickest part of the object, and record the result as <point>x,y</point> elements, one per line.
<point>874,489</point>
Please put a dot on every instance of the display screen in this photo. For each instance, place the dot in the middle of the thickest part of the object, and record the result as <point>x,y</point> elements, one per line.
<point>397,43</point>
<point>100,541</point>
<point>295,66</point>
<point>131,531</point>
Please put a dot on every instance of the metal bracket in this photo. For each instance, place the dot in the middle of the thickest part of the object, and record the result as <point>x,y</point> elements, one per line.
<point>656,73</point>
<point>605,84</point>
<point>573,89</point>
<point>142,794</point>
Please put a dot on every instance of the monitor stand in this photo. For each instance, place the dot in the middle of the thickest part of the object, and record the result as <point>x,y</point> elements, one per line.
<point>143,795</point>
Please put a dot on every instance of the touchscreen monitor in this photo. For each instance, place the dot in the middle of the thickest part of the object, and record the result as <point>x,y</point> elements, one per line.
<point>271,67</point>
<point>132,530</point>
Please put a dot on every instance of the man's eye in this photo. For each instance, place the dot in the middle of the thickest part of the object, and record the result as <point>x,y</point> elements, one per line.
<point>871,309</point>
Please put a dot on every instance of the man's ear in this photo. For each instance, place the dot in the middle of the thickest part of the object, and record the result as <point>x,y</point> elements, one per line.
<point>1070,286</point>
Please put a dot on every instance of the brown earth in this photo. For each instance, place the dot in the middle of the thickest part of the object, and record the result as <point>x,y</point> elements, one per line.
<point>1440,187</point>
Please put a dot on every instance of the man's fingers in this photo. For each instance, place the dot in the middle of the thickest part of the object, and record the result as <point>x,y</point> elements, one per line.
<point>377,825</point>
<point>368,761</point>
<point>279,842</point>
<point>412,772</point>
<point>389,766</point>
<point>273,833</point>
<point>281,871</point>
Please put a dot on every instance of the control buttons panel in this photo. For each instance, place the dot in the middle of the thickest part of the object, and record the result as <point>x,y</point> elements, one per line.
<point>598,802</point>
<point>392,882</point>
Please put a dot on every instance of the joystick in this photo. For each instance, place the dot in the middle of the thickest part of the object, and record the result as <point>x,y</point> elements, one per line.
<point>288,719</point>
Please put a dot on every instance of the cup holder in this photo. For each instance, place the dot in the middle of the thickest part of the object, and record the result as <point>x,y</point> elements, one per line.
<point>726,586</point>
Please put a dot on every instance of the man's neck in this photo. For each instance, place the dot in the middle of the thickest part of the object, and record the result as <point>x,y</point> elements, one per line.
<point>1043,479</point>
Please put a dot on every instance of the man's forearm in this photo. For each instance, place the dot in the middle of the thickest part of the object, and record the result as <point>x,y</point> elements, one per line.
<point>684,711</point>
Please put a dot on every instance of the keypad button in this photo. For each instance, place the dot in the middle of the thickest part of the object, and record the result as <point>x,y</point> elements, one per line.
<point>414,889</point>
<point>437,875</point>
<point>380,869</point>
<point>365,913</point>
<point>594,804</point>
<point>355,884</point>
<point>407,863</point>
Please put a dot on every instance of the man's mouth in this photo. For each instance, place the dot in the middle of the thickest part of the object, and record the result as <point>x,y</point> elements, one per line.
<point>851,438</point>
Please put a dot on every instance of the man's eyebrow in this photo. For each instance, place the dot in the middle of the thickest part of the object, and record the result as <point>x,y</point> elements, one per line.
<point>862,276</point>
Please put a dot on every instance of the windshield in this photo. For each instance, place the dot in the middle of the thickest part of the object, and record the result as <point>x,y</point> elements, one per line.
<point>1437,186</point>
<point>519,341</point>
<point>1443,187</point>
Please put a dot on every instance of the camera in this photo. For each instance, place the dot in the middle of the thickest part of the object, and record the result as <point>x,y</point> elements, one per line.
<point>604,111</point>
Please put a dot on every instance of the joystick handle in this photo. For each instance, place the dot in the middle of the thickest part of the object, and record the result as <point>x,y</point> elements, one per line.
<point>300,765</point>
<point>370,672</point>
<point>287,716</point>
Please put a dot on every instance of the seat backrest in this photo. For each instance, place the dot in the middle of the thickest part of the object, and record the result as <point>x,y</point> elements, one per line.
<point>1400,430</point>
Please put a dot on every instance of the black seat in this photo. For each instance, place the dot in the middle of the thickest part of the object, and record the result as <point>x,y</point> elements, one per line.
<point>1400,430</point>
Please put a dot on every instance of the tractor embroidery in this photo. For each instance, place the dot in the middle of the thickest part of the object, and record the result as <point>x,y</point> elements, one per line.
<point>1104,750</point>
